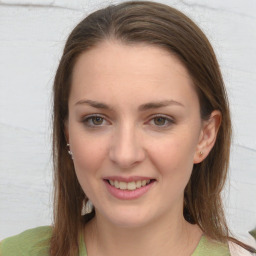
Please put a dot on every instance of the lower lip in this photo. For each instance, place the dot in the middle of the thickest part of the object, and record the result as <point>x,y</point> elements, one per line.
<point>128,194</point>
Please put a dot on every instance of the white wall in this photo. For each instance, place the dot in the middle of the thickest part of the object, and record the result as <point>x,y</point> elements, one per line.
<point>32,35</point>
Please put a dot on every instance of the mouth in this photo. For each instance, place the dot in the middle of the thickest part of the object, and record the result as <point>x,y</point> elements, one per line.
<point>131,185</point>
<point>128,188</point>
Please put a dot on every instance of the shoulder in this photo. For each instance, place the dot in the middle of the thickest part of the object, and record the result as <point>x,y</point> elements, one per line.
<point>30,242</point>
<point>207,246</point>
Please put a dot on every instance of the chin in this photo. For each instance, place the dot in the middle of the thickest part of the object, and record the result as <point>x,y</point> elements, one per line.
<point>129,218</point>
<point>129,223</point>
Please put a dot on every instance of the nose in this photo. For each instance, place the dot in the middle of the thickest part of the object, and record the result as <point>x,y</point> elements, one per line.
<point>126,148</point>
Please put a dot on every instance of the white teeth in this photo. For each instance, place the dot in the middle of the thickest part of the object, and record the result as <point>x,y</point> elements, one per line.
<point>138,183</point>
<point>116,184</point>
<point>129,185</point>
<point>122,185</point>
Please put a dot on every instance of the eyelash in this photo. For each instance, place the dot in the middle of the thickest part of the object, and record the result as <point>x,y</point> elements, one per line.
<point>89,119</point>
<point>168,121</point>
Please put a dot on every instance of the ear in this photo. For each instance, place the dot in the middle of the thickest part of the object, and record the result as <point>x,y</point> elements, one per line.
<point>207,136</point>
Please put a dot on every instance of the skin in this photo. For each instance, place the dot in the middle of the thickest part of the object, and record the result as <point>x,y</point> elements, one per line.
<point>129,141</point>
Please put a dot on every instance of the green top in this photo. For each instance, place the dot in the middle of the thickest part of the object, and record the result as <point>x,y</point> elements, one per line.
<point>35,242</point>
<point>253,233</point>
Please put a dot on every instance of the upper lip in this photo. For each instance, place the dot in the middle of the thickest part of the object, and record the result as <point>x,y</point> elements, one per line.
<point>128,179</point>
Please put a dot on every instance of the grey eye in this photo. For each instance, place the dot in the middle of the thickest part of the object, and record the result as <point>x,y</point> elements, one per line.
<point>97,120</point>
<point>159,121</point>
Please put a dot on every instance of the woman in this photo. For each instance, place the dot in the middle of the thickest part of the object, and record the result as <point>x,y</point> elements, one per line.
<point>141,140</point>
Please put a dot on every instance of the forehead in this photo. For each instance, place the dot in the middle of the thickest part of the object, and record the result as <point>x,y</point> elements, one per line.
<point>115,70</point>
<point>115,57</point>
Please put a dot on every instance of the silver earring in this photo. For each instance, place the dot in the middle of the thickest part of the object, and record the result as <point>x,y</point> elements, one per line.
<point>87,207</point>
<point>69,151</point>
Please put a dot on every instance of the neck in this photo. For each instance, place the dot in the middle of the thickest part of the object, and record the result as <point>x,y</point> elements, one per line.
<point>165,236</point>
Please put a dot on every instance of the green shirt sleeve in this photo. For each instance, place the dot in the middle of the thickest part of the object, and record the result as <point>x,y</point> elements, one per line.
<point>32,242</point>
<point>208,247</point>
<point>253,233</point>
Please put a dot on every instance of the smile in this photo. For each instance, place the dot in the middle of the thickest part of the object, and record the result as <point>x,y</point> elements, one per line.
<point>128,188</point>
<point>128,185</point>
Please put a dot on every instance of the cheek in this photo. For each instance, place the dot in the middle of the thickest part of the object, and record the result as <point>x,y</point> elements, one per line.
<point>174,158</point>
<point>87,160</point>
<point>89,155</point>
<point>174,166</point>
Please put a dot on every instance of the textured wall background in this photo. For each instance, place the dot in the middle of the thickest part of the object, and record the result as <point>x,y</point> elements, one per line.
<point>32,35</point>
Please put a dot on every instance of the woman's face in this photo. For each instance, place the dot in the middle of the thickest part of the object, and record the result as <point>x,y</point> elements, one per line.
<point>134,128</point>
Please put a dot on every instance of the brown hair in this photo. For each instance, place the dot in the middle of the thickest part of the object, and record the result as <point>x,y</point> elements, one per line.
<point>162,26</point>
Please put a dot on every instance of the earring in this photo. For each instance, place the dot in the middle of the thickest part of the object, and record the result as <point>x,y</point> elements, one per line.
<point>87,207</point>
<point>69,151</point>
<point>201,153</point>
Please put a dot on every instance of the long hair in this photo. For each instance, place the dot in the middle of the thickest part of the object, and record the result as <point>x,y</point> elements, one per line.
<point>163,26</point>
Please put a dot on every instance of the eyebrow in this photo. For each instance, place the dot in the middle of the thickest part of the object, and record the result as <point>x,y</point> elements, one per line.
<point>143,107</point>
<point>93,103</point>
<point>160,104</point>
